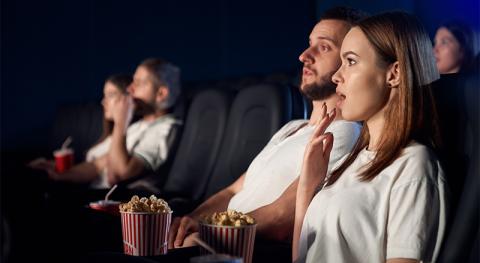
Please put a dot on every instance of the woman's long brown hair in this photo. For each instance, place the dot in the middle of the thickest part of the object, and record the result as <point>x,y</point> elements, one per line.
<point>411,114</point>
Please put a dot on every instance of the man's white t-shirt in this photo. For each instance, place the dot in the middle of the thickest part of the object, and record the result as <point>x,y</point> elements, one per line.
<point>280,162</point>
<point>147,140</point>
<point>401,213</point>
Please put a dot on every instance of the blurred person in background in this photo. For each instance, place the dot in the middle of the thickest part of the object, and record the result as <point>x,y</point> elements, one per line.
<point>90,170</point>
<point>127,150</point>
<point>454,48</point>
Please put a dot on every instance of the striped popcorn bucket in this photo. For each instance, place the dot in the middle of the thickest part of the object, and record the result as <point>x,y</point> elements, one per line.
<point>145,234</point>
<point>235,241</point>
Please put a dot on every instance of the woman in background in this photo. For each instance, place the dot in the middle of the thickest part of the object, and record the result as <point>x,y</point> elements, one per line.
<point>454,48</point>
<point>91,171</point>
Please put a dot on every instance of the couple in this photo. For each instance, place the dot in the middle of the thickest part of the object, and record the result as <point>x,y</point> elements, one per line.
<point>383,199</point>
<point>127,151</point>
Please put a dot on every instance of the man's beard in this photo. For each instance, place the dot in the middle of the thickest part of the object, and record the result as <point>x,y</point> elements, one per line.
<point>319,91</point>
<point>142,108</point>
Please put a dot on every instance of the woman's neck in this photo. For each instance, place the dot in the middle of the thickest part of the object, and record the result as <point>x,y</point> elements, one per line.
<point>375,128</point>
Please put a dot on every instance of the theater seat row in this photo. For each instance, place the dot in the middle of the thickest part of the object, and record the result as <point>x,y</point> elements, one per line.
<point>222,134</point>
<point>223,130</point>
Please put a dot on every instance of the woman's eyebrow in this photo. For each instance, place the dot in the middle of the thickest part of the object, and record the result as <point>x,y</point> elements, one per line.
<point>349,53</point>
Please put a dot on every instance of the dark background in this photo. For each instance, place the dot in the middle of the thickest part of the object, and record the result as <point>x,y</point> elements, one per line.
<point>57,52</point>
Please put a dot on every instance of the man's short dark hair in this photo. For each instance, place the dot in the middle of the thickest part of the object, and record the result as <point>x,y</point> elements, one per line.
<point>165,73</point>
<point>344,13</point>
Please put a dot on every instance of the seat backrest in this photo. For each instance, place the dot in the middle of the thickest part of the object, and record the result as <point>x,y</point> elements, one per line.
<point>461,242</point>
<point>202,135</point>
<point>256,114</point>
<point>83,122</point>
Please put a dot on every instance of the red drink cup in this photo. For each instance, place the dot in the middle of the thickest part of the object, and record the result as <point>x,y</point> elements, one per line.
<point>63,160</point>
<point>106,206</point>
<point>231,240</point>
<point>145,234</point>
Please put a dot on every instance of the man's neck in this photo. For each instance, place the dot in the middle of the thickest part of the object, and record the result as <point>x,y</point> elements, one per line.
<point>330,102</point>
<point>155,115</point>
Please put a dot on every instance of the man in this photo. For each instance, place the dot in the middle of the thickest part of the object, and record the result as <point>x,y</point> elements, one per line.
<point>267,190</point>
<point>144,145</point>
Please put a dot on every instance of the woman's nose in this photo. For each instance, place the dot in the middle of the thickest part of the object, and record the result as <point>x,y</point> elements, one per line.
<point>336,77</point>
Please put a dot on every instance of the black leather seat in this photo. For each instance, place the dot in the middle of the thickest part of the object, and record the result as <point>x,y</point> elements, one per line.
<point>199,146</point>
<point>83,122</point>
<point>256,114</point>
<point>459,95</point>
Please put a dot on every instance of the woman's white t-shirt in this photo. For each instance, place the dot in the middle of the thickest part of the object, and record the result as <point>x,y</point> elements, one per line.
<point>401,213</point>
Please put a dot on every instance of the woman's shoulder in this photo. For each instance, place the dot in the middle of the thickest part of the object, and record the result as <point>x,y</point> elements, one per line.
<point>418,163</point>
<point>417,152</point>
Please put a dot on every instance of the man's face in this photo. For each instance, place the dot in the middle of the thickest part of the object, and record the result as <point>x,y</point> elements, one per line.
<point>322,58</point>
<point>143,91</point>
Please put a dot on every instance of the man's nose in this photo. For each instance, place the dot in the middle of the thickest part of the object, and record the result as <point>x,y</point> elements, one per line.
<point>305,57</point>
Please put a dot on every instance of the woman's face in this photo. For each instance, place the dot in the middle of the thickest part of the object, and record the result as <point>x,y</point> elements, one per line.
<point>447,50</point>
<point>361,80</point>
<point>111,94</point>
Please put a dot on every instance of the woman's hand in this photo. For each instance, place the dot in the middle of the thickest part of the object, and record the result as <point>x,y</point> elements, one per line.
<point>41,164</point>
<point>47,166</point>
<point>122,111</point>
<point>314,171</point>
<point>317,153</point>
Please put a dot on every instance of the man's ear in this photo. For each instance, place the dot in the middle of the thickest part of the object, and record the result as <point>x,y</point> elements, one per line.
<point>162,93</point>
<point>393,75</point>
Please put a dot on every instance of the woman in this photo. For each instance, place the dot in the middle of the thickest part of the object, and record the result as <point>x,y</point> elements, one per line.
<point>90,171</point>
<point>385,201</point>
<point>454,48</point>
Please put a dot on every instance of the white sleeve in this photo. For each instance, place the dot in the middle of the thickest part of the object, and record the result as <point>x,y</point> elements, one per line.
<point>155,145</point>
<point>413,215</point>
<point>345,135</point>
<point>288,127</point>
<point>98,150</point>
<point>281,133</point>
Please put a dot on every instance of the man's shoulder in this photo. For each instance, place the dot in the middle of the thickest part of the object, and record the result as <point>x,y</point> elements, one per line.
<point>344,126</point>
<point>294,123</point>
<point>164,122</point>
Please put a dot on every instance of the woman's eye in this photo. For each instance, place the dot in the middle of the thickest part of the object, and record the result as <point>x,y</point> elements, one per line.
<point>351,62</point>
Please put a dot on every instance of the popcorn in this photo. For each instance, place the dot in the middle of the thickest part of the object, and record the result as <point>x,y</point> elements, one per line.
<point>145,205</point>
<point>229,218</point>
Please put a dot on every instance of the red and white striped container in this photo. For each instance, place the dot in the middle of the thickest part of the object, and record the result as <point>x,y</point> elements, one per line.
<point>235,241</point>
<point>145,234</point>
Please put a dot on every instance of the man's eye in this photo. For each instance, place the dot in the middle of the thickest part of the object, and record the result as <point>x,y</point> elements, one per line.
<point>324,48</point>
